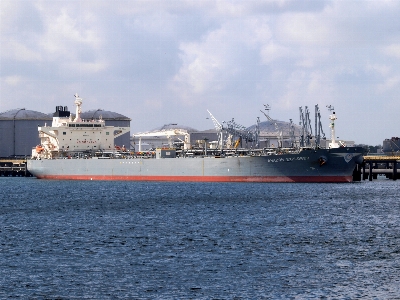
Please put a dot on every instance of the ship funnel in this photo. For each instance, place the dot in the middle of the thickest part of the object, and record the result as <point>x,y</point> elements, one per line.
<point>59,108</point>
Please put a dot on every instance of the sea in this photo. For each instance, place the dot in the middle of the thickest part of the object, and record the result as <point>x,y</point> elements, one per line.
<point>157,240</point>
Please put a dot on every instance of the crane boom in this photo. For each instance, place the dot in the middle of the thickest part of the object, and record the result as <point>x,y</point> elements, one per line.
<point>218,128</point>
<point>217,125</point>
<point>167,133</point>
<point>279,136</point>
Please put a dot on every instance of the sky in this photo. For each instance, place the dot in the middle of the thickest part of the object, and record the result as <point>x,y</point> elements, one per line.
<point>160,62</point>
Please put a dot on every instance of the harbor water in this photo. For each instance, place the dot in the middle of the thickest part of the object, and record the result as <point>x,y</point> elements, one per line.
<point>151,240</point>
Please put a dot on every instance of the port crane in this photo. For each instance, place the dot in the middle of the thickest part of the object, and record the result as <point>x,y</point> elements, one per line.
<point>318,127</point>
<point>279,136</point>
<point>305,122</point>
<point>169,133</point>
<point>218,128</point>
<point>233,130</point>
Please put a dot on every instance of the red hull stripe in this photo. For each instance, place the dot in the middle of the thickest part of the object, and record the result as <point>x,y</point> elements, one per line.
<point>205,178</point>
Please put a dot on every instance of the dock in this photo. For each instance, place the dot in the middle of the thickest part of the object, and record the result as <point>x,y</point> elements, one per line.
<point>374,165</point>
<point>13,167</point>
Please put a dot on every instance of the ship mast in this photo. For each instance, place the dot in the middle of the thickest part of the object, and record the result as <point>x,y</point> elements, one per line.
<point>332,117</point>
<point>78,103</point>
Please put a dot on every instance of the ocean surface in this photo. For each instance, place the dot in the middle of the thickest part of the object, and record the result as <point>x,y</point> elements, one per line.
<point>146,240</point>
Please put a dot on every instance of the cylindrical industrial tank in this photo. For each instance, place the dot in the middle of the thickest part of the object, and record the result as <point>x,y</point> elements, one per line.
<point>19,131</point>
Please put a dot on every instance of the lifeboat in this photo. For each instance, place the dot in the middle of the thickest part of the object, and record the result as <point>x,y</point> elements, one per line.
<point>39,149</point>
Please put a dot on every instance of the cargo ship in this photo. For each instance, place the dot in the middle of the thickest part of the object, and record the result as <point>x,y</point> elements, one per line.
<point>76,149</point>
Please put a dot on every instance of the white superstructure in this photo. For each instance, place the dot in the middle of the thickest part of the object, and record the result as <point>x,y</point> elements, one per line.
<point>333,143</point>
<point>68,137</point>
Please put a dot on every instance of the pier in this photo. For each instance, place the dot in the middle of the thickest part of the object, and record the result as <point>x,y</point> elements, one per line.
<point>374,165</point>
<point>13,167</point>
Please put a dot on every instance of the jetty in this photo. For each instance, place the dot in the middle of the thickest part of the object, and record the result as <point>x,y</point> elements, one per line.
<point>13,167</point>
<point>374,165</point>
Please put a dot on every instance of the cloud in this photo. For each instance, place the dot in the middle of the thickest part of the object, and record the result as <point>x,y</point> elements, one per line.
<point>304,29</point>
<point>177,58</point>
<point>392,50</point>
<point>222,55</point>
<point>61,39</point>
<point>389,83</point>
<point>273,51</point>
<point>13,80</point>
<point>19,51</point>
<point>378,68</point>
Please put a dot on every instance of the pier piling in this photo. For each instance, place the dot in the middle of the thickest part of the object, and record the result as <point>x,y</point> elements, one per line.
<point>13,167</point>
<point>380,165</point>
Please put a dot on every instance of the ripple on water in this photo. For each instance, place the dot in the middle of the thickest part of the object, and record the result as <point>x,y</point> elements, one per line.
<point>68,239</point>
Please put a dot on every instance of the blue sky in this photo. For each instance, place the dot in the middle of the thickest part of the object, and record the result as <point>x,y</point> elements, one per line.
<point>161,62</point>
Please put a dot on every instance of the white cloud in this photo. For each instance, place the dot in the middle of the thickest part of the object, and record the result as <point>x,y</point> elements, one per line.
<point>13,80</point>
<point>304,29</point>
<point>19,51</point>
<point>209,64</point>
<point>203,53</point>
<point>273,51</point>
<point>380,69</point>
<point>85,67</point>
<point>392,50</point>
<point>65,34</point>
<point>9,15</point>
<point>389,83</point>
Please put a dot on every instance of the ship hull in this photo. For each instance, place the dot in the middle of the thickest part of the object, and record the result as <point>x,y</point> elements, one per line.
<point>327,179</point>
<point>322,165</point>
